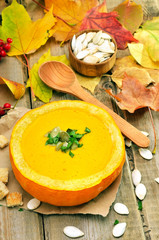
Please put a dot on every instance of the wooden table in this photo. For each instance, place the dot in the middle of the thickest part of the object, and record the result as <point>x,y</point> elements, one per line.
<point>27,225</point>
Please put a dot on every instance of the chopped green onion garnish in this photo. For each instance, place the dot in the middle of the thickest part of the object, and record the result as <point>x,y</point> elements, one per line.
<point>87,130</point>
<point>69,139</point>
<point>71,154</point>
<point>116,222</point>
<point>140,205</point>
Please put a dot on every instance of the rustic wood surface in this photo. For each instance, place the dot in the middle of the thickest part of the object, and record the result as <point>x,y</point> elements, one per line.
<point>27,225</point>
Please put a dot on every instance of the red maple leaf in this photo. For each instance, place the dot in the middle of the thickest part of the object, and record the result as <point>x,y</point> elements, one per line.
<point>107,22</point>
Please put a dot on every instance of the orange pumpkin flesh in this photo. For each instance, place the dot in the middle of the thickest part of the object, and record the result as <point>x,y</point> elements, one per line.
<point>53,176</point>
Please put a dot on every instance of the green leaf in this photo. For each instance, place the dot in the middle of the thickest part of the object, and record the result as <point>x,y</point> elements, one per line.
<point>40,89</point>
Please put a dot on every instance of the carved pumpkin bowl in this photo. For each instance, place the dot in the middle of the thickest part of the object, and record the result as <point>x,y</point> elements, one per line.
<point>54,176</point>
<point>92,52</point>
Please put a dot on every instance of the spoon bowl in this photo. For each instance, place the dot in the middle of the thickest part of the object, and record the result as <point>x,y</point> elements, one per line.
<point>52,74</point>
<point>60,77</point>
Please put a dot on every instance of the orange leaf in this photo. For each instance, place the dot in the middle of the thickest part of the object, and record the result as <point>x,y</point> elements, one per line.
<point>95,19</point>
<point>134,95</point>
<point>69,15</point>
<point>130,15</point>
<point>17,89</point>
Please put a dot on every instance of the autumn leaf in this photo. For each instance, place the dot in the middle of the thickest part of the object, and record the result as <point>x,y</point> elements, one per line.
<point>27,36</point>
<point>88,82</point>
<point>140,73</point>
<point>129,62</point>
<point>130,15</point>
<point>69,15</point>
<point>148,35</point>
<point>17,89</point>
<point>108,22</point>
<point>41,90</point>
<point>141,55</point>
<point>134,95</point>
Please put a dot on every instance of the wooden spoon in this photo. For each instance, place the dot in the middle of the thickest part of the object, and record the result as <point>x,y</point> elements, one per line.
<point>60,77</point>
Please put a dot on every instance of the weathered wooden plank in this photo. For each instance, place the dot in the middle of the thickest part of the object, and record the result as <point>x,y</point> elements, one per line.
<point>149,171</point>
<point>20,225</point>
<point>14,224</point>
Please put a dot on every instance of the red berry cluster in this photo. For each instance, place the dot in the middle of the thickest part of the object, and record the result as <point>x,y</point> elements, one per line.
<point>5,107</point>
<point>4,47</point>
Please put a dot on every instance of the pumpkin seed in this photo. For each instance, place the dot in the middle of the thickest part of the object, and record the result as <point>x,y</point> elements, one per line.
<point>78,47</point>
<point>91,59</point>
<point>65,144</point>
<point>98,54</point>
<point>58,146</point>
<point>119,229</point>
<point>106,36</point>
<point>121,208</point>
<point>84,44</point>
<point>112,45</point>
<point>105,47</point>
<point>74,146</point>
<point>90,36</point>
<point>73,43</point>
<point>73,232</point>
<point>157,180</point>
<point>145,153</point>
<point>128,142</point>
<point>92,50</point>
<point>103,59</point>
<point>140,191</point>
<point>145,133</point>
<point>64,136</point>
<point>97,37</point>
<point>101,41</point>
<point>81,37</point>
<point>55,131</point>
<point>82,54</point>
<point>136,177</point>
<point>33,204</point>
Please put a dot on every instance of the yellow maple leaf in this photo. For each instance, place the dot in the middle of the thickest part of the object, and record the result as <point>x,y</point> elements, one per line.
<point>27,35</point>
<point>17,89</point>
<point>69,15</point>
<point>88,82</point>
<point>140,73</point>
<point>129,62</point>
<point>141,55</point>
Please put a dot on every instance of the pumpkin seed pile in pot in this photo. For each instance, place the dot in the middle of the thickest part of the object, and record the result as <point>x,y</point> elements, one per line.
<point>93,47</point>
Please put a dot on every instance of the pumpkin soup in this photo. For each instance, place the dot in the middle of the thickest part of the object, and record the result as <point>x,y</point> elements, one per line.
<point>55,177</point>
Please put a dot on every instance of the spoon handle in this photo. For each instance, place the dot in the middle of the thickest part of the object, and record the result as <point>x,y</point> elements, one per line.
<point>126,128</point>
